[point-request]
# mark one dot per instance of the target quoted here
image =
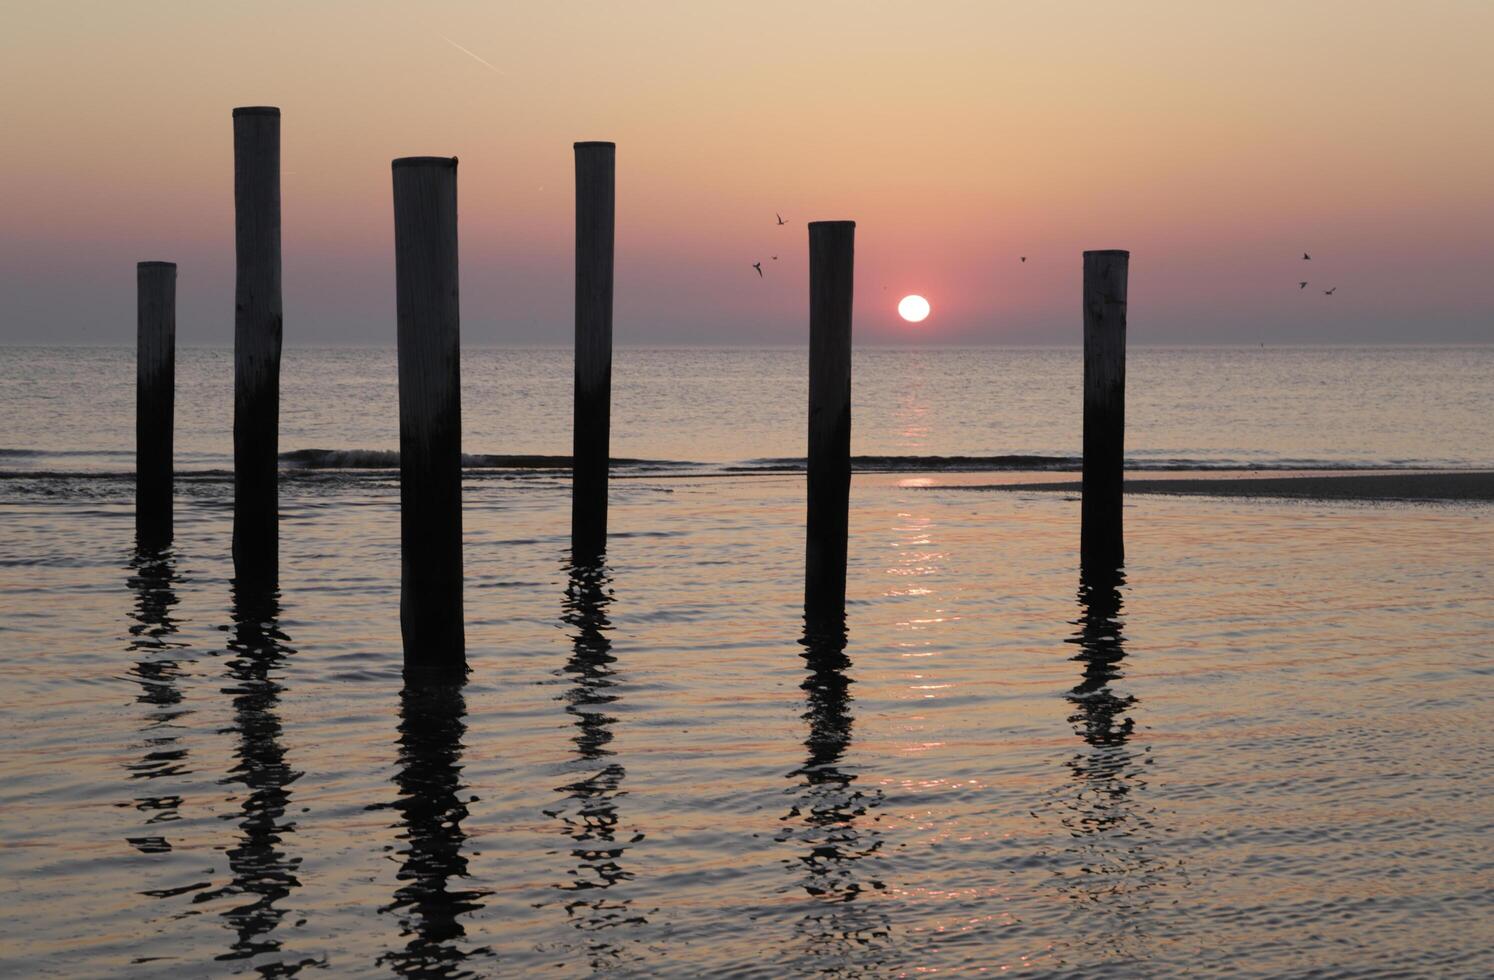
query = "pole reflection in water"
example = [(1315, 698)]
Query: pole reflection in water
[(432, 805), (1112, 868), (589, 812), (158, 671), (829, 810), (1102, 719), (263, 872)]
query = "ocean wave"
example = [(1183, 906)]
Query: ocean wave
[(308, 463), (1051, 463), (1010, 462), (892, 464), (31, 453), (388, 459)]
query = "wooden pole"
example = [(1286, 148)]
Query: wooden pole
[(256, 341), (155, 397), (1101, 537), (831, 271), (595, 207), (430, 414)]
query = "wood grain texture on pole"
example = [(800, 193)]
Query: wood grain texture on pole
[(1101, 535), (256, 341), (430, 414), (595, 210), (155, 400), (831, 275)]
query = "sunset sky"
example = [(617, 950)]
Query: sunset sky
[(1216, 141)]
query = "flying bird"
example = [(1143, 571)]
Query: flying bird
[(780, 218), (773, 257), (1306, 257), (759, 267), (1329, 292), (1024, 258), (1301, 285)]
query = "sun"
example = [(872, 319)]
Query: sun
[(913, 308)]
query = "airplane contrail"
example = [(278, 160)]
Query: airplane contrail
[(474, 56)]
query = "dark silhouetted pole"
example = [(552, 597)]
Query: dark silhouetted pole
[(832, 246), (430, 414), (155, 398), (595, 196), (1101, 537), (256, 341)]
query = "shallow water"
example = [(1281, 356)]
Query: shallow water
[(1261, 749), (1264, 753)]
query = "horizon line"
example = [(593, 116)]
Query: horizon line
[(1252, 345)]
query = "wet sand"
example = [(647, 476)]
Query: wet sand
[(1445, 486)]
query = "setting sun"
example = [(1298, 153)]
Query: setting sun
[(913, 308)]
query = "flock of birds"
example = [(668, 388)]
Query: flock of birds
[(758, 265), (1302, 284)]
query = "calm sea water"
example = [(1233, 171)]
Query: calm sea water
[(1194, 406), (1260, 749)]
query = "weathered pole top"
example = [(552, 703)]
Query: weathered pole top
[(425, 162)]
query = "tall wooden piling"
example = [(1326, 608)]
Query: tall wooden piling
[(155, 399), (256, 341), (1101, 536), (831, 273), (595, 205), (430, 415)]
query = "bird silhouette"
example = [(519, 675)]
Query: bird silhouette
[(773, 257), (780, 218), (1305, 257), (759, 267), (1329, 292), (1024, 258), (1301, 285)]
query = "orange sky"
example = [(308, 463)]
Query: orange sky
[(1214, 141)]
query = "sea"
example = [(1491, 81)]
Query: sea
[(1259, 748)]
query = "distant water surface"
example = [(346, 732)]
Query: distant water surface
[(1200, 406), (1260, 749)]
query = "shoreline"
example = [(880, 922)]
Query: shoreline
[(1410, 485), (1446, 486)]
